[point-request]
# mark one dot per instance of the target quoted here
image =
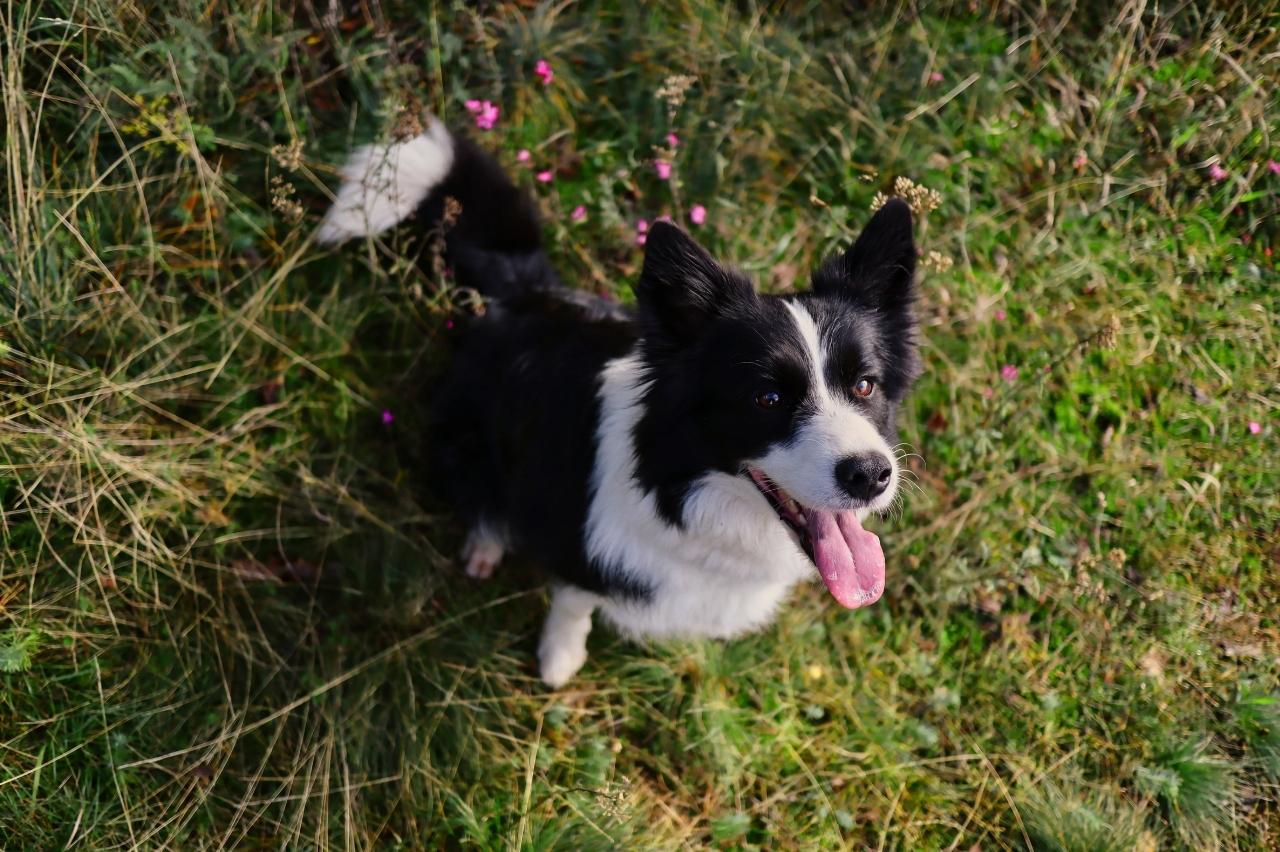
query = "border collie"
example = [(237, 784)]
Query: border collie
[(680, 466)]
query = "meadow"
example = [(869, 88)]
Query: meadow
[(230, 615)]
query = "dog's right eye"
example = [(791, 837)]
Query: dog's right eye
[(768, 399)]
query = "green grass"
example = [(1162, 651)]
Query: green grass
[(228, 616)]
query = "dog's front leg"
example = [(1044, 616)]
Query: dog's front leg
[(563, 649)]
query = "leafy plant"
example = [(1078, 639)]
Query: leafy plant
[(17, 648)]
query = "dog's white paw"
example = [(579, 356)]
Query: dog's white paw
[(560, 662), (483, 553)]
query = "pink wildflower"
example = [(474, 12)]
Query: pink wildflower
[(663, 168), (640, 239), (1217, 172), (579, 213), (642, 226), (673, 141), (472, 105), (697, 214), (1081, 160), (523, 155), (387, 417), (988, 392), (1255, 427), (544, 177), (1000, 315), (1009, 373), (486, 115), (544, 72), (1274, 167), (935, 77)]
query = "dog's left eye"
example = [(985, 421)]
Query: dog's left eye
[(864, 387), (768, 399)]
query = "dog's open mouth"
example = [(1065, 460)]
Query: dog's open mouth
[(848, 557)]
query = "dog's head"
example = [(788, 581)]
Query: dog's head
[(797, 393)]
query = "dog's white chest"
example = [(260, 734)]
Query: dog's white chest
[(723, 574), (686, 604)]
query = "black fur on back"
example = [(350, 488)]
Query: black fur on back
[(515, 432), (514, 424)]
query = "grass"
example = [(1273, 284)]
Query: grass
[(228, 616)]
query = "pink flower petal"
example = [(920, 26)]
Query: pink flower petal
[(544, 72), (640, 239), (1000, 315), (472, 105), (1217, 172), (663, 168), (673, 141), (1255, 427), (1009, 373), (1274, 167), (697, 214), (523, 155), (387, 417), (544, 177), (642, 225), (487, 115), (579, 213), (935, 77)]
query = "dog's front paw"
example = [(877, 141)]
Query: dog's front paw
[(560, 662), (482, 553)]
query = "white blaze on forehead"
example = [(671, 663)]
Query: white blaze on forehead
[(813, 346), (805, 464)]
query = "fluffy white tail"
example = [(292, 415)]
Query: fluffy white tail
[(383, 184)]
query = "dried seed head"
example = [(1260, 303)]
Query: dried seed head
[(919, 198), (408, 123), (673, 90), (436, 237), (283, 201), (937, 261), (288, 157), (452, 210), (1105, 337)]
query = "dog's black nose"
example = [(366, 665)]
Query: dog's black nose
[(864, 476)]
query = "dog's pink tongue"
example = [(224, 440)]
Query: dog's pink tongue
[(849, 558)]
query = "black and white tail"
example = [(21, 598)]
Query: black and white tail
[(494, 246)]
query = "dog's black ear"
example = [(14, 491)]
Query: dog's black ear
[(879, 270), (682, 289)]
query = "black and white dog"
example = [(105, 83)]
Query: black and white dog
[(679, 467)]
